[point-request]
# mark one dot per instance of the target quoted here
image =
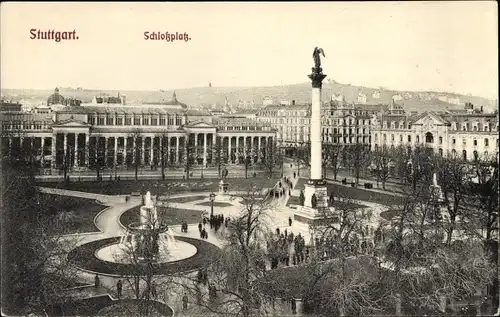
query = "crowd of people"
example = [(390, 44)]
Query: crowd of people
[(280, 250)]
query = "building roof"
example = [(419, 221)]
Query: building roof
[(171, 102), (123, 110)]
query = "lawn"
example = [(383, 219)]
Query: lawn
[(187, 199), (216, 204), (364, 195), (171, 216), (345, 205), (72, 214), (155, 187)]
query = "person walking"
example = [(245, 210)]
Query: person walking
[(153, 290), (184, 302), (289, 221), (294, 306), (119, 288), (97, 282)]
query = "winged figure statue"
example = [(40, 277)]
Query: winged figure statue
[(316, 56)]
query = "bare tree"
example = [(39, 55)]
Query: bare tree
[(141, 249), (342, 284), (138, 139), (357, 156), (335, 158), (247, 160), (383, 158), (236, 273), (422, 269), (272, 157), (35, 270), (163, 148), (218, 154)]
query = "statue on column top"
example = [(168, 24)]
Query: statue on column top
[(317, 58)]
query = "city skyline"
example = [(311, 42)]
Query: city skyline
[(404, 46)]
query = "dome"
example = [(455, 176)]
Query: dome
[(55, 98), (171, 102)]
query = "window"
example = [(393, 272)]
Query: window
[(453, 141), (401, 138), (128, 121), (145, 121), (440, 140), (178, 121), (137, 121), (170, 120), (162, 121), (154, 121), (464, 155), (376, 137), (486, 127), (392, 137), (385, 138), (474, 142), (100, 121), (409, 138), (119, 121), (476, 156), (109, 121), (418, 139), (464, 141)]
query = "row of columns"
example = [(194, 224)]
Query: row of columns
[(255, 142)]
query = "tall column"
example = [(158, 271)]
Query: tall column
[(143, 146), (115, 156), (258, 148), (87, 144), (229, 148), (42, 160), (196, 145), (315, 191), (168, 148), (125, 151), (65, 147), (53, 150), (177, 149), (237, 148), (316, 147), (205, 136), (75, 163), (105, 151)]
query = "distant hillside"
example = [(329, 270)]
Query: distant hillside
[(301, 93)]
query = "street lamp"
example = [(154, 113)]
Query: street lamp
[(212, 198)]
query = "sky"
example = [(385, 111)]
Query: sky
[(439, 46)]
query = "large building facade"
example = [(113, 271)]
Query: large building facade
[(468, 134), (111, 133)]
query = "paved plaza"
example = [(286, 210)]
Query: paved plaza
[(109, 226)]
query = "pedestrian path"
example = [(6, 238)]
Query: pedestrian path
[(105, 199)]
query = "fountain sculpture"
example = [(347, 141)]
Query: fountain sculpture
[(148, 238), (436, 192)]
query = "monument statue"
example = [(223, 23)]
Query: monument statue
[(316, 56), (314, 201)]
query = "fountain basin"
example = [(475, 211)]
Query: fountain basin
[(84, 257), (119, 253)]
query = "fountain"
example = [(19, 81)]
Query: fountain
[(436, 192), (223, 194), (149, 238)]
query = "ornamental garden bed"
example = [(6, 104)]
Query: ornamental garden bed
[(170, 216), (72, 214)]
